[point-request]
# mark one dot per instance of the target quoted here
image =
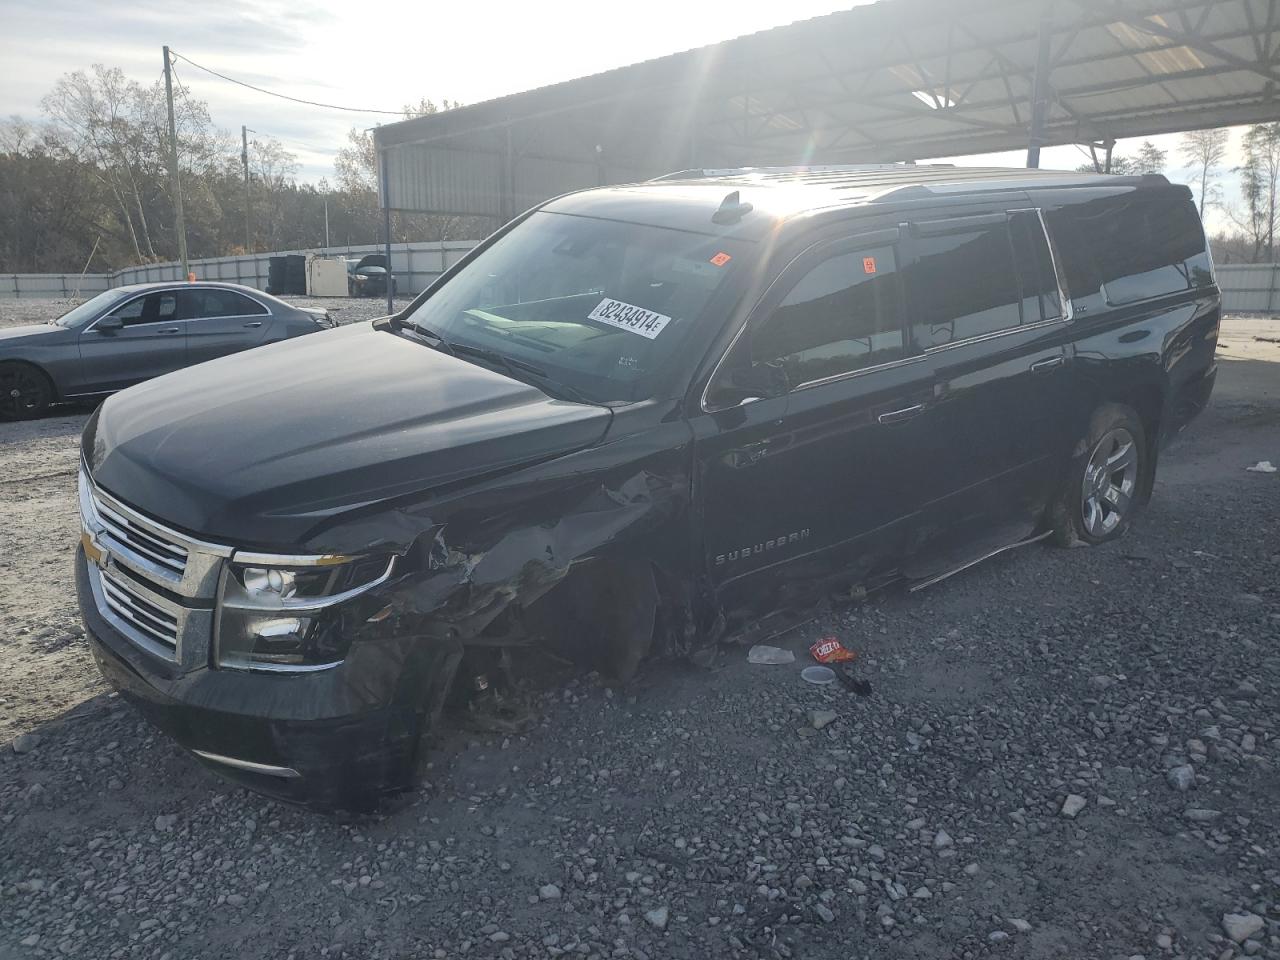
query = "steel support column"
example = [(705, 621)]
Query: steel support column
[(507, 194), (385, 190), (1040, 91)]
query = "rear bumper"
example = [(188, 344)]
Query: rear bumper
[(278, 735)]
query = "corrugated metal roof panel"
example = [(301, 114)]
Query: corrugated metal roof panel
[(898, 79)]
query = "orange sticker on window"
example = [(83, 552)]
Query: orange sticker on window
[(721, 258), (868, 264)]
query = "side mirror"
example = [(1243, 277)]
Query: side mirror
[(758, 382), (109, 324)]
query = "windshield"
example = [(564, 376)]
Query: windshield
[(599, 306), (77, 316)]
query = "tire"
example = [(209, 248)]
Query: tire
[(25, 391), (1100, 498)]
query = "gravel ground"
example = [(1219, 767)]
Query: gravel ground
[(1067, 753)]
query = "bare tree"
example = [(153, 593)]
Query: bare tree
[(1259, 177), (92, 113), (92, 174), (1204, 151), (273, 170), (16, 135), (120, 127), (1150, 159)]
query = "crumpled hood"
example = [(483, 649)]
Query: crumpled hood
[(260, 447)]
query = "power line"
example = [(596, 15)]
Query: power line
[(296, 144), (285, 96), (181, 86)]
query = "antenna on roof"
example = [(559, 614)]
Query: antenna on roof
[(732, 209)]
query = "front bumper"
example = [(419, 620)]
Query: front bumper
[(340, 738)]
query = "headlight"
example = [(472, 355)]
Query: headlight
[(89, 520), (269, 582), (282, 613), (362, 276)]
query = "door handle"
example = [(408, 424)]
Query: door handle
[(255, 323), (170, 330), (1048, 363), (906, 413)]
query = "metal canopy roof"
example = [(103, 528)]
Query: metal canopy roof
[(896, 80)]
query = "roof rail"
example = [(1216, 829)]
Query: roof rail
[(700, 173)]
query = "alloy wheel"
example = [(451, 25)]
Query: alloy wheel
[(22, 391), (1109, 482)]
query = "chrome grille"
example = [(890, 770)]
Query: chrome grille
[(156, 585), (150, 544), (145, 617)]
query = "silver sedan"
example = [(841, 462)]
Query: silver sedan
[(130, 334)]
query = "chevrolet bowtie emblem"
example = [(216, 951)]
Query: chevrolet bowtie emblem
[(101, 556)]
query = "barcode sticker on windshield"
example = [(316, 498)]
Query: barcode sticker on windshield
[(627, 316)]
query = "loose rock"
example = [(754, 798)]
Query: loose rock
[(26, 742), (658, 917), (1201, 814), (1241, 926), (1182, 778), (821, 718)]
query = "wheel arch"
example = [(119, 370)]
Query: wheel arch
[(1147, 400), (38, 367), (603, 613)]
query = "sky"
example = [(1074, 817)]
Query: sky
[(337, 51)]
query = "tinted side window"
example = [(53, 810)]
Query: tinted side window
[(1040, 297), (166, 306), (132, 312), (153, 308), (1132, 248), (963, 284), (218, 303), (841, 316)]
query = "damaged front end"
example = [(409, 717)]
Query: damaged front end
[(348, 517), (316, 677)]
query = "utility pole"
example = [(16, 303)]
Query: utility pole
[(326, 220), (175, 183), (244, 162)]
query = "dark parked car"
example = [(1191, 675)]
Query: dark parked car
[(130, 334), (634, 420), (367, 276)]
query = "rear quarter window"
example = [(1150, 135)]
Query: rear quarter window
[(1132, 248)]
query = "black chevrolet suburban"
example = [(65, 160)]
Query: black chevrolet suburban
[(632, 421)]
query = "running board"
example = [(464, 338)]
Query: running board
[(938, 578), (266, 769)]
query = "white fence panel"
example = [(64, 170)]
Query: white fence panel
[(1250, 287), (415, 266), (53, 285)]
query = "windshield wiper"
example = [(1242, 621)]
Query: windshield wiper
[(514, 367), (510, 364), (428, 333)]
